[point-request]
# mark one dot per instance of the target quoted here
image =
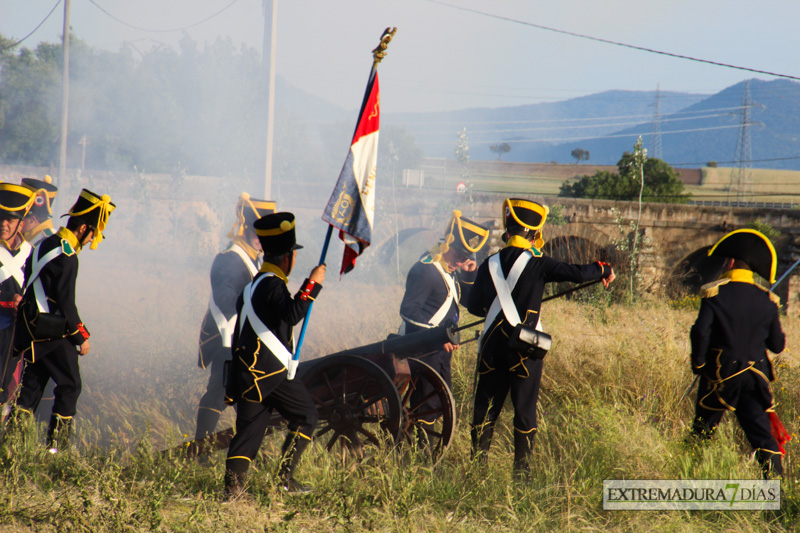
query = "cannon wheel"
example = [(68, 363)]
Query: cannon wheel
[(358, 403), (437, 435)]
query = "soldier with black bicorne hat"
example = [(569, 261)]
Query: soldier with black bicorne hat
[(737, 323), (261, 374), (434, 287), (15, 201), (48, 328), (231, 270), (508, 292), (38, 223)]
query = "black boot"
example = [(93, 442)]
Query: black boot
[(523, 445), (235, 477), (291, 451), (58, 433), (206, 423), (481, 442), (771, 464)]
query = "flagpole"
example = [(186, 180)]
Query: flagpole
[(296, 355), (377, 54)]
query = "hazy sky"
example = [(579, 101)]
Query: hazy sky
[(447, 58)]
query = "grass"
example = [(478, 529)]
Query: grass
[(610, 408)]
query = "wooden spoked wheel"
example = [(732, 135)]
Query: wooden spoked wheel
[(429, 419), (358, 403)]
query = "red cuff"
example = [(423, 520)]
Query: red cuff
[(309, 290), (7, 305), (83, 331), (603, 266)]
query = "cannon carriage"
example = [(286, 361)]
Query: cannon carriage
[(365, 397)]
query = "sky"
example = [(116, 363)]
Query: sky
[(446, 56)]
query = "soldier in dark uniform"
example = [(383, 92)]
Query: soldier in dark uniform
[(436, 284), (737, 323), (48, 328), (521, 271), (15, 201), (261, 372), (231, 270), (38, 223), (36, 226)]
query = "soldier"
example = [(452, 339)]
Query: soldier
[(38, 224), (737, 323), (231, 270), (508, 292), (434, 287), (49, 328), (15, 201), (259, 378)]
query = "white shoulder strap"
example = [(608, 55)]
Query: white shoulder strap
[(503, 287), (225, 325), (261, 330), (251, 266), (38, 289), (14, 265)]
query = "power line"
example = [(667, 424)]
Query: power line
[(580, 139), (580, 119), (9, 47), (95, 4), (579, 126), (615, 43), (737, 162)]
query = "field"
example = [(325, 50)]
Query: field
[(611, 408)]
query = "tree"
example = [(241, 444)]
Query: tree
[(500, 149), (661, 183), (579, 154)]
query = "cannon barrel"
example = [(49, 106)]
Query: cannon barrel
[(413, 344)]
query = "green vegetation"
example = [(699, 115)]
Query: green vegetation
[(610, 409), (661, 183)]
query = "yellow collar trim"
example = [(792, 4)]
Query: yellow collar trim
[(251, 252), (275, 269), (70, 237), (515, 241), (739, 274), (47, 224)]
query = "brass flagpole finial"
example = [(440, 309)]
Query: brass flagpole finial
[(380, 51)]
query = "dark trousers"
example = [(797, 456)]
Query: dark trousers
[(56, 360), (291, 399), (12, 366), (749, 394), (440, 362), (520, 379), (212, 404)]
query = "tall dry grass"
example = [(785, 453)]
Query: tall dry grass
[(610, 408)]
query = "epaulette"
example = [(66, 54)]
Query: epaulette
[(709, 290), (774, 298), (67, 248), (428, 259)]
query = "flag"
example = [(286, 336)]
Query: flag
[(351, 206)]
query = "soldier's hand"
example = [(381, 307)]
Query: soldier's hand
[(449, 347), (15, 302), (469, 266), (318, 274), (84, 348), (607, 281)]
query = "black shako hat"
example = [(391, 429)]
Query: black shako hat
[(93, 210), (276, 233), (524, 213), (45, 192), (15, 201), (752, 247), (466, 236)]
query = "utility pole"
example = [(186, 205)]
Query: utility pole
[(268, 59), (83, 142), (657, 124), (741, 175), (62, 156)]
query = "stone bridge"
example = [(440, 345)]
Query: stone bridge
[(676, 238)]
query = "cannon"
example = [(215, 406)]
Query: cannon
[(365, 397)]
